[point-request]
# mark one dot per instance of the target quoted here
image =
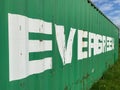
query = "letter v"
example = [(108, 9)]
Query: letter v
[(65, 52)]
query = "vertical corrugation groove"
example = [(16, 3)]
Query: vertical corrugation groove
[(77, 14)]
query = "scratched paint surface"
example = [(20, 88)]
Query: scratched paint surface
[(77, 14)]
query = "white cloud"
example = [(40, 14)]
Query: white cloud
[(115, 17), (117, 2), (114, 13), (99, 1), (111, 8), (115, 20), (106, 7)]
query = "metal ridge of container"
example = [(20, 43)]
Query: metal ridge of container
[(92, 4)]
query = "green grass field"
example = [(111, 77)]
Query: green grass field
[(111, 78)]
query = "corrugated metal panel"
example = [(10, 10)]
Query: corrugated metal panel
[(31, 56)]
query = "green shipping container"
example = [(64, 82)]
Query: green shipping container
[(54, 44)]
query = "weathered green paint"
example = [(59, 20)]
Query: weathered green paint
[(78, 14)]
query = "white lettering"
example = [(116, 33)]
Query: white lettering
[(98, 41), (92, 43), (104, 44), (65, 51), (19, 47), (82, 44)]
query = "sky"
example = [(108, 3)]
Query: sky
[(111, 8)]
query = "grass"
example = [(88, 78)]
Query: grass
[(111, 78)]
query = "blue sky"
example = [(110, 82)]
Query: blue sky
[(111, 8)]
